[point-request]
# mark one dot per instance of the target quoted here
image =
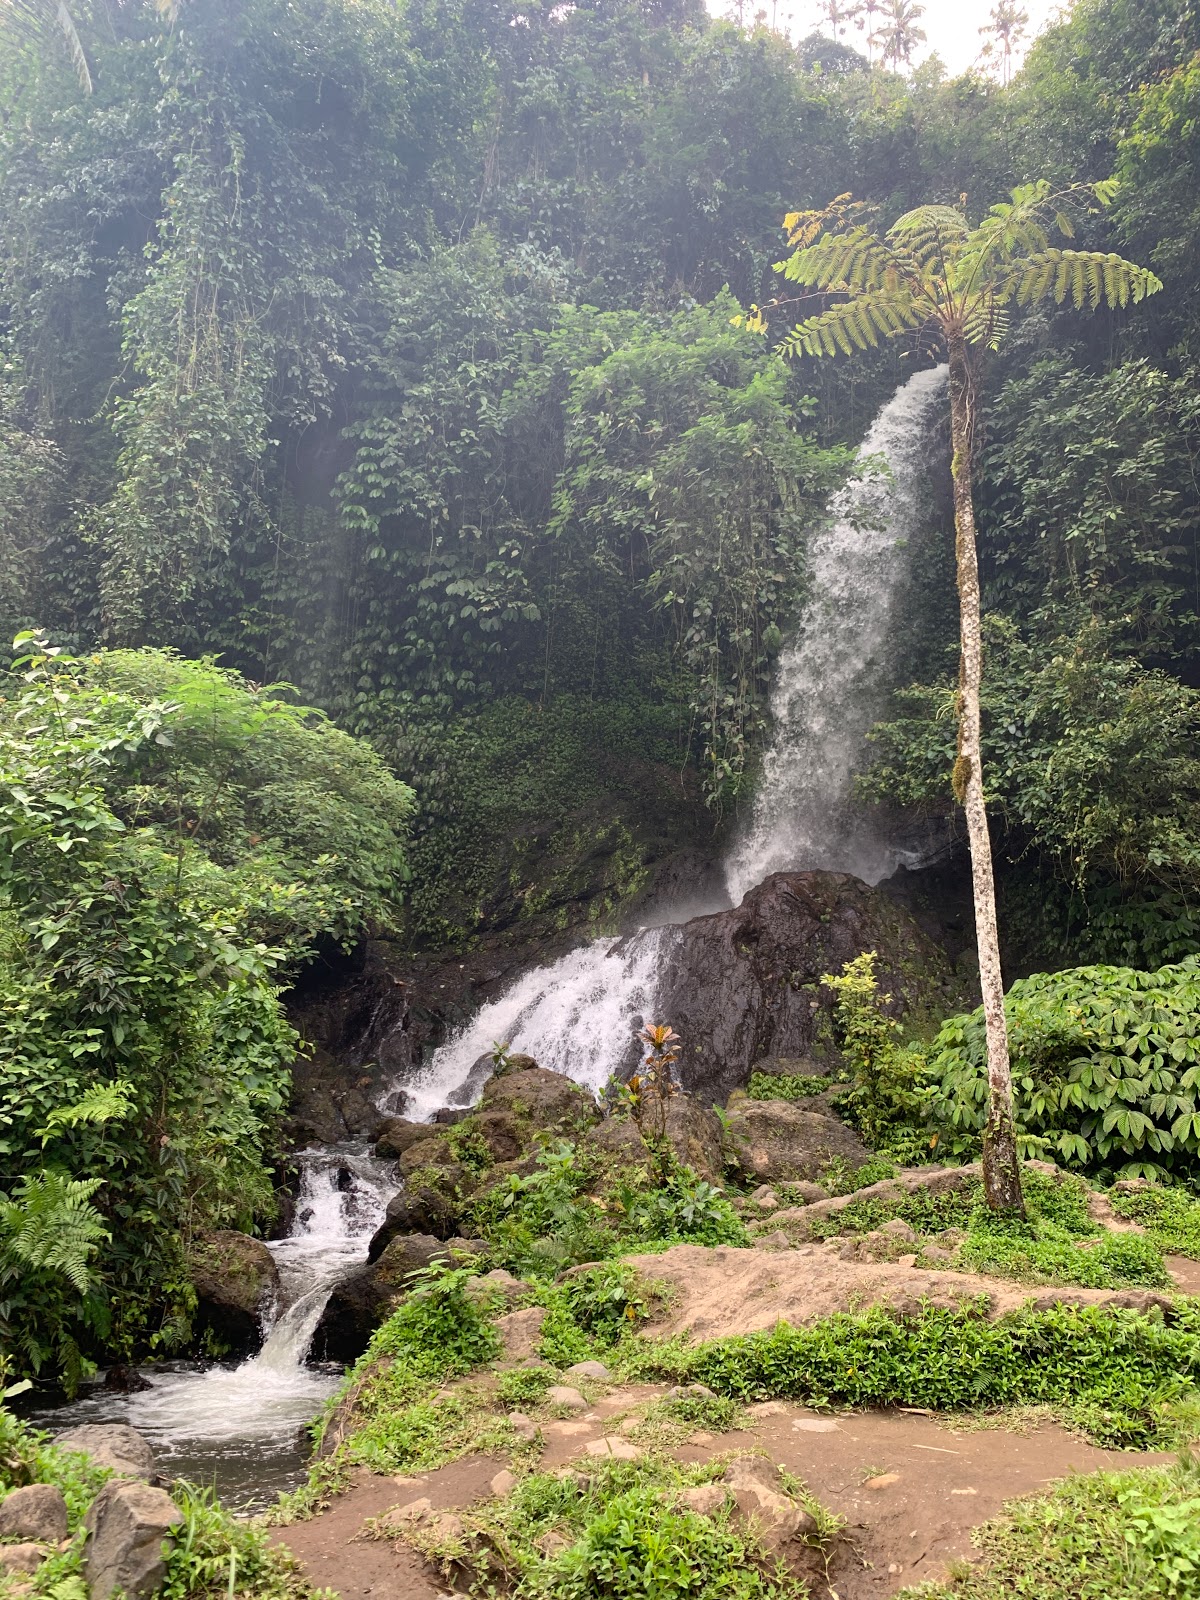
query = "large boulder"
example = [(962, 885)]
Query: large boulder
[(695, 1134), (367, 1294), (541, 1100), (777, 1141), (129, 1527), (38, 1511), (114, 1445), (745, 983), (236, 1283)]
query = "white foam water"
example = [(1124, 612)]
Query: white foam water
[(579, 1015), (830, 680), (242, 1425)]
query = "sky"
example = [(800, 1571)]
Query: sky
[(952, 25)]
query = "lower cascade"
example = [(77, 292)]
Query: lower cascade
[(245, 1424)]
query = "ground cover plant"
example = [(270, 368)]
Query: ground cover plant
[(616, 1531), (1100, 1536)]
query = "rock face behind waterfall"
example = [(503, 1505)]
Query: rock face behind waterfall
[(743, 984)]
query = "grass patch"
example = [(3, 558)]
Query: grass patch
[(615, 1532), (1107, 1536), (1117, 1375), (1170, 1216)]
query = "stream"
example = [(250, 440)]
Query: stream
[(242, 1427)]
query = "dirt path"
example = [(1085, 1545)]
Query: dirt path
[(911, 1489)]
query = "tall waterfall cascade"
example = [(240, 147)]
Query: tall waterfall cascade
[(829, 683), (580, 1012)]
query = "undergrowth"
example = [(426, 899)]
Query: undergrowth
[(1117, 1375), (1170, 1216), (1105, 1536), (786, 1086), (617, 1532)]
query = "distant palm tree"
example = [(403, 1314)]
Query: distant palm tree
[(900, 34), (1007, 24), (864, 20), (40, 19), (837, 15)]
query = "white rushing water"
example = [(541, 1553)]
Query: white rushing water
[(242, 1424), (829, 683), (578, 1015)]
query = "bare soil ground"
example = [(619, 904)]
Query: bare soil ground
[(715, 1292), (910, 1487)]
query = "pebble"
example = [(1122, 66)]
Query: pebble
[(503, 1484), (815, 1425), (767, 1408), (524, 1427), (589, 1369), (906, 1261), (884, 1481)]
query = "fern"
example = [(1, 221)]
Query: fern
[(103, 1102), (51, 1226)]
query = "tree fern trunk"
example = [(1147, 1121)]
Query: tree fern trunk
[(1001, 1170)]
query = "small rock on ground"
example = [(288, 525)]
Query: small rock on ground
[(524, 1427), (129, 1527), (589, 1369), (561, 1394), (617, 1449), (24, 1557), (111, 1444)]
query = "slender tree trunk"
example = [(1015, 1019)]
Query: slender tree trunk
[(1001, 1170)]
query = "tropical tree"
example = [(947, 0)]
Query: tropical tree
[(864, 21), (837, 15), (952, 286), (900, 34)]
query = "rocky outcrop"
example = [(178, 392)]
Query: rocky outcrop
[(743, 984), (236, 1282), (114, 1445), (777, 1141), (129, 1529), (539, 1099), (367, 1294)]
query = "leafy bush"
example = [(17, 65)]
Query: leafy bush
[(785, 1086), (1106, 1067), (1042, 1252), (619, 1535), (1100, 1536), (152, 814), (1171, 1217), (1114, 1371), (885, 1095)]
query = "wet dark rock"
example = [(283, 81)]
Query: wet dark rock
[(396, 1135), (428, 1206), (743, 984), (368, 1294), (236, 1280)]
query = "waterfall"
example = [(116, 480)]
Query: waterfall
[(244, 1423), (578, 1015), (829, 683)]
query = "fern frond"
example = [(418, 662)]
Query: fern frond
[(103, 1102), (50, 1224), (850, 261), (930, 233), (853, 325), (803, 227), (1089, 276)]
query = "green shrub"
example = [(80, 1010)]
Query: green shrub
[(1115, 1371), (1170, 1216), (786, 1086), (1043, 1252), (1104, 1536), (1106, 1068), (525, 1386)]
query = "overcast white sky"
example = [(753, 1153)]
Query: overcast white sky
[(952, 25)]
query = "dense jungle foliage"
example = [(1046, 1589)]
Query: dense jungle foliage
[(390, 351), (387, 350)]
